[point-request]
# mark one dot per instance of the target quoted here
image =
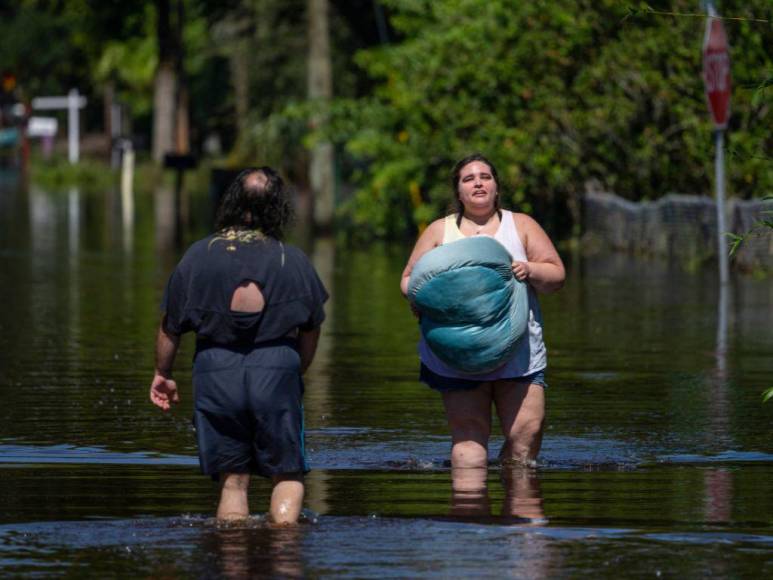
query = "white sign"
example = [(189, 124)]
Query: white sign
[(72, 102), (42, 126), (58, 103)]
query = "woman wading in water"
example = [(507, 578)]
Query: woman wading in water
[(517, 387)]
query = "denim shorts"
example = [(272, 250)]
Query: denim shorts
[(445, 384)]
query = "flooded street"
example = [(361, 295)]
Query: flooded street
[(657, 458)]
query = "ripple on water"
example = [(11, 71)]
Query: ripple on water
[(364, 546), (353, 448), (10, 453), (719, 458)]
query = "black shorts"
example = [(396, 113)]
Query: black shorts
[(248, 410)]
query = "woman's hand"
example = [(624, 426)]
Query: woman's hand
[(521, 270), (544, 269)]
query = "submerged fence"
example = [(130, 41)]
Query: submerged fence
[(678, 227)]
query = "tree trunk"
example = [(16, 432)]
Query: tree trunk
[(170, 98), (182, 127), (240, 78), (164, 111), (108, 97), (164, 85), (320, 87)]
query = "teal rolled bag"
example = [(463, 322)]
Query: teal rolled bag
[(473, 310)]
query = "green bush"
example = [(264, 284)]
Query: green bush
[(556, 94)]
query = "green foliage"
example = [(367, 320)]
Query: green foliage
[(54, 46), (767, 395), (88, 44), (131, 64), (762, 226), (58, 174), (93, 175), (276, 48), (556, 94), (41, 66)]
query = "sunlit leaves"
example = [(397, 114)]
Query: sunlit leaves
[(556, 93)]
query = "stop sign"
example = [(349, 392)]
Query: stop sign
[(716, 72)]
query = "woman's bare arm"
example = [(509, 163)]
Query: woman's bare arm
[(543, 269), (430, 238)]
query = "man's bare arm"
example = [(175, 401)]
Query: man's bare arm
[(163, 388), (166, 351), (307, 347)]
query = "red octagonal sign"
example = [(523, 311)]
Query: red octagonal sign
[(716, 72)]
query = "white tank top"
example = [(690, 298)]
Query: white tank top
[(530, 355)]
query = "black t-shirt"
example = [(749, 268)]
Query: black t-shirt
[(198, 295)]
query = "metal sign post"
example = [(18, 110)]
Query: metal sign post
[(716, 76)]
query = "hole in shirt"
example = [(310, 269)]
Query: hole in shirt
[(247, 298)]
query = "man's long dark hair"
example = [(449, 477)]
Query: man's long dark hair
[(267, 208)]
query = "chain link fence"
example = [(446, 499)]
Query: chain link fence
[(678, 227)]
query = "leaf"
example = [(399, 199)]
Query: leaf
[(767, 395), (735, 242)]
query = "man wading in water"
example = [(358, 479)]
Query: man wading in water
[(256, 306)]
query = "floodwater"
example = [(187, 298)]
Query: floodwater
[(657, 459)]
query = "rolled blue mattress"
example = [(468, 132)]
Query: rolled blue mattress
[(473, 309)]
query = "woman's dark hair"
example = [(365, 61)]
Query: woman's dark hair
[(458, 207), (266, 208)]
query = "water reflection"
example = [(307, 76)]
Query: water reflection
[(718, 495), (44, 223), (254, 552), (469, 493), (522, 503), (722, 327), (127, 214), (523, 497), (73, 222), (317, 403), (167, 224), (719, 407), (532, 556)]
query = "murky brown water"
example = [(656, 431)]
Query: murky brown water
[(657, 459)]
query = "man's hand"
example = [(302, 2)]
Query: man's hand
[(163, 389), (163, 392), (521, 270)]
